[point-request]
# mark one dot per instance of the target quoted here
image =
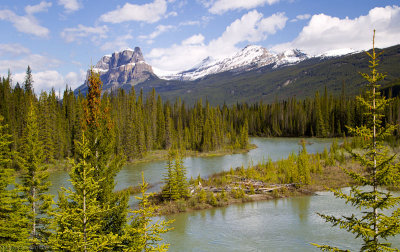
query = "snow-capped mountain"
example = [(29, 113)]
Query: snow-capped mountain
[(249, 58)]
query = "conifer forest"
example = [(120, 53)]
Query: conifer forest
[(199, 137)]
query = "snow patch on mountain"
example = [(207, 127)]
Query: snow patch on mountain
[(249, 58)]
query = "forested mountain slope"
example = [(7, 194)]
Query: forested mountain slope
[(268, 84)]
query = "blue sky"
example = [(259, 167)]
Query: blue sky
[(60, 39)]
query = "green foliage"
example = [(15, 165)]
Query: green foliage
[(144, 234), (79, 217), (100, 133), (13, 220), (202, 196), (211, 199), (34, 184), (373, 226), (176, 185)]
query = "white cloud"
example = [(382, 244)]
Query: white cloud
[(120, 43), (150, 13), (70, 5), (26, 24), (36, 61), (171, 14), (42, 6), (13, 50), (46, 80), (325, 33), (74, 80), (76, 34), (222, 6), (188, 23), (158, 31), (251, 27), (301, 17), (194, 40)]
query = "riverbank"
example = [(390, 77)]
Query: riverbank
[(157, 155), (224, 189)]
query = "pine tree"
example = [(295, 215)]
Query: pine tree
[(143, 233), (373, 226), (79, 219), (13, 220), (34, 184)]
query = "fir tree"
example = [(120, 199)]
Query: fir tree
[(28, 83), (373, 226), (34, 184), (13, 220), (79, 219), (144, 234)]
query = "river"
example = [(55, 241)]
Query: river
[(276, 225)]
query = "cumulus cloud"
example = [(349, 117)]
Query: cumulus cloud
[(251, 27), (46, 80), (13, 50), (36, 61), (77, 33), (194, 40), (120, 43), (28, 23), (222, 6), (150, 13), (70, 5), (325, 33)]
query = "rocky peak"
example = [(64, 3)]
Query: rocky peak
[(127, 67)]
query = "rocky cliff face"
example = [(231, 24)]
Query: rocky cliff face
[(123, 68)]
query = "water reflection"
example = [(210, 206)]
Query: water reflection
[(301, 206)]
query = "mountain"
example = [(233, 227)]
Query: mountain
[(249, 58), (292, 78), (253, 74), (122, 70)]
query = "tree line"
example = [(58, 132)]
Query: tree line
[(144, 122)]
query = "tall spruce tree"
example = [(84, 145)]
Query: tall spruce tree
[(34, 182), (13, 220), (373, 226), (79, 219), (101, 140)]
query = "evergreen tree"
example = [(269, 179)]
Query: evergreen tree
[(170, 190), (28, 83), (79, 219), (13, 220), (373, 226), (180, 170), (34, 184), (101, 141), (176, 186), (143, 233)]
